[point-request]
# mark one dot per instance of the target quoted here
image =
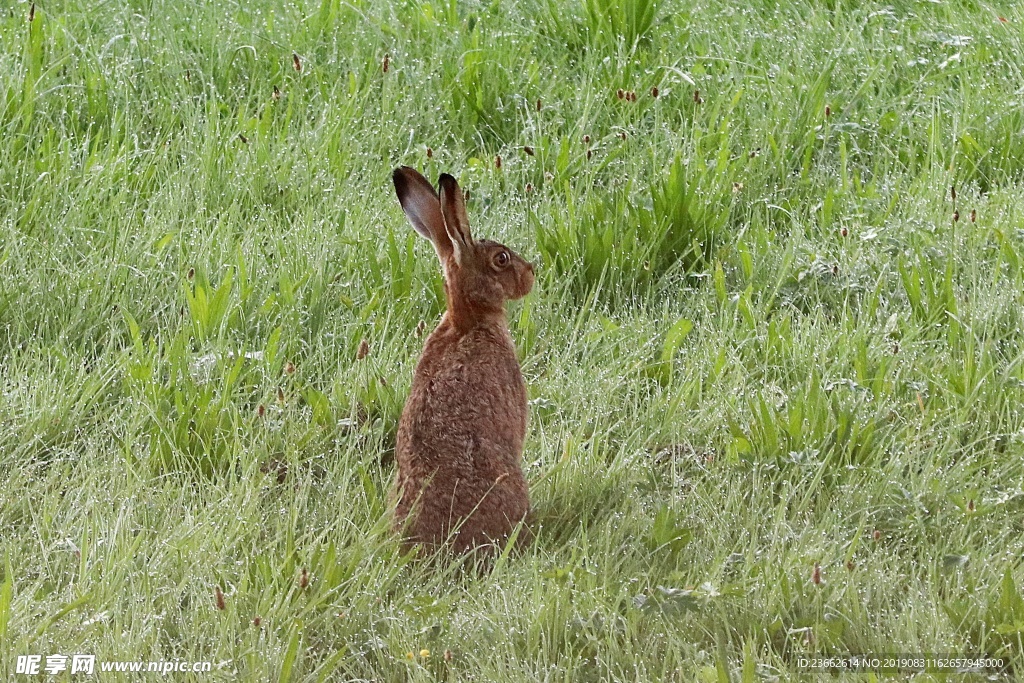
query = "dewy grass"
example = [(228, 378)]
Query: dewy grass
[(774, 364)]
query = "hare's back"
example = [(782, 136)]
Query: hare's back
[(467, 389), (481, 379)]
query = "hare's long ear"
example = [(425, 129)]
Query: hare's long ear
[(423, 209), (456, 222)]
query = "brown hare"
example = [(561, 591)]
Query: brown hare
[(459, 480)]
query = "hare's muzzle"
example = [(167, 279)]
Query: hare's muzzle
[(526, 278)]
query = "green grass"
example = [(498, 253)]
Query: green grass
[(759, 340)]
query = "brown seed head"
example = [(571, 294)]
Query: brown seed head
[(586, 139), (655, 92), (430, 153), (497, 161), (622, 135), (620, 93), (364, 349), (632, 96), (261, 410), (850, 566), (974, 215), (589, 154), (280, 395), (420, 327), (828, 111), (956, 216), (191, 274), (528, 150), (952, 192), (218, 597), (32, 13), (844, 232), (275, 467), (538, 104), (816, 574), (529, 187), (447, 655), (289, 368), (876, 535), (697, 98), (188, 75), (304, 579), (387, 63), (296, 62), (970, 505), (244, 139), (276, 94), (257, 621)]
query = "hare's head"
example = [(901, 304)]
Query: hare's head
[(480, 275)]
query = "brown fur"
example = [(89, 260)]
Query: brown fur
[(459, 480)]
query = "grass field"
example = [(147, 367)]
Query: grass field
[(775, 362)]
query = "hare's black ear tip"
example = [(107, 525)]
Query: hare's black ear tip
[(448, 181), (399, 177)]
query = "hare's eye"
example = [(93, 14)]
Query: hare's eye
[(502, 259)]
